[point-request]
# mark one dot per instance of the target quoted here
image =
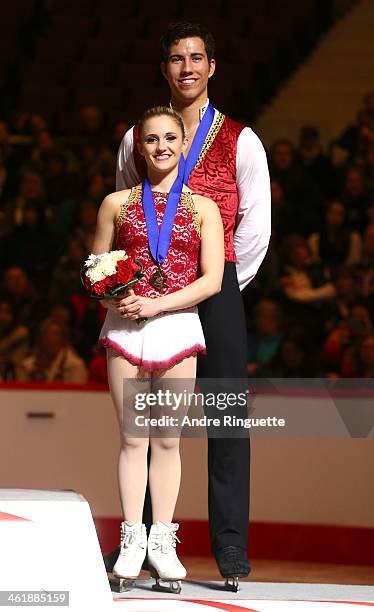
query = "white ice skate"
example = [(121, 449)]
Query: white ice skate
[(163, 562), (132, 554)]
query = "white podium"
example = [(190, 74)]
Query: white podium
[(48, 544)]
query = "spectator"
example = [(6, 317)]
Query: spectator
[(347, 291), (335, 244), (30, 244), (281, 216), (14, 340), (22, 296), (85, 228), (38, 123), (302, 281), (63, 313), (66, 276), (264, 341), (314, 162), (296, 358), (96, 189), (53, 359), (31, 189), (98, 159), (347, 333), (56, 164), (300, 191), (306, 288), (359, 361), (355, 198), (357, 137), (92, 127)]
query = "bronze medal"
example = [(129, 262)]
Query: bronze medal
[(158, 280)]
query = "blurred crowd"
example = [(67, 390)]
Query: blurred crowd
[(309, 310)]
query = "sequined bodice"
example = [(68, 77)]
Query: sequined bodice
[(181, 262)]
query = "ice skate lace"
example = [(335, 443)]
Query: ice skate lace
[(130, 536), (165, 541)]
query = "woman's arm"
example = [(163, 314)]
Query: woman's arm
[(211, 266), (106, 218), (105, 230)]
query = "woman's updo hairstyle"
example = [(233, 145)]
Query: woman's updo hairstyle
[(159, 111)]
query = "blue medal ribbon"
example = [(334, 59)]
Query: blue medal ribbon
[(159, 238), (187, 165)]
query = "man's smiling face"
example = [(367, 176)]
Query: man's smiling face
[(188, 69)]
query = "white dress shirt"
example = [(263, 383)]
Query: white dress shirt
[(253, 221)]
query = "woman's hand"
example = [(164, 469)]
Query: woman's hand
[(114, 303), (136, 307), (111, 303)]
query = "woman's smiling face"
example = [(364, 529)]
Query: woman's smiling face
[(161, 143)]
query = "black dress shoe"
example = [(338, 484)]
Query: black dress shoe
[(111, 558), (233, 562)]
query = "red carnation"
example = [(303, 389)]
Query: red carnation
[(111, 282), (99, 288), (125, 272)]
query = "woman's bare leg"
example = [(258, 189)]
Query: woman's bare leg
[(165, 465), (132, 462)]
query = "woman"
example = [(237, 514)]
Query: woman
[(53, 359), (336, 244), (164, 347)]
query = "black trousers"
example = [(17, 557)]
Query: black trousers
[(223, 321)]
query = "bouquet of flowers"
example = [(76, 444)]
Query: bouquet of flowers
[(109, 274)]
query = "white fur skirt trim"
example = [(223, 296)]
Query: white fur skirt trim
[(159, 343)]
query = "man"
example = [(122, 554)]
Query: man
[(232, 170)]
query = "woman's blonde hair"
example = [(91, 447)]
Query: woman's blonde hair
[(159, 111)]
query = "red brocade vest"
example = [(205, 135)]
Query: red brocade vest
[(182, 260), (214, 175)]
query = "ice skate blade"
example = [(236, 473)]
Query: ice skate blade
[(171, 586), (232, 584), (121, 585)]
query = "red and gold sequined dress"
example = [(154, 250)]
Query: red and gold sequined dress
[(168, 338)]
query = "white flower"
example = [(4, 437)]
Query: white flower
[(91, 260), (100, 266)]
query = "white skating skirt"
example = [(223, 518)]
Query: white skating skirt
[(159, 343)]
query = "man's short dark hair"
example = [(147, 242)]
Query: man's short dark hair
[(186, 29)]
